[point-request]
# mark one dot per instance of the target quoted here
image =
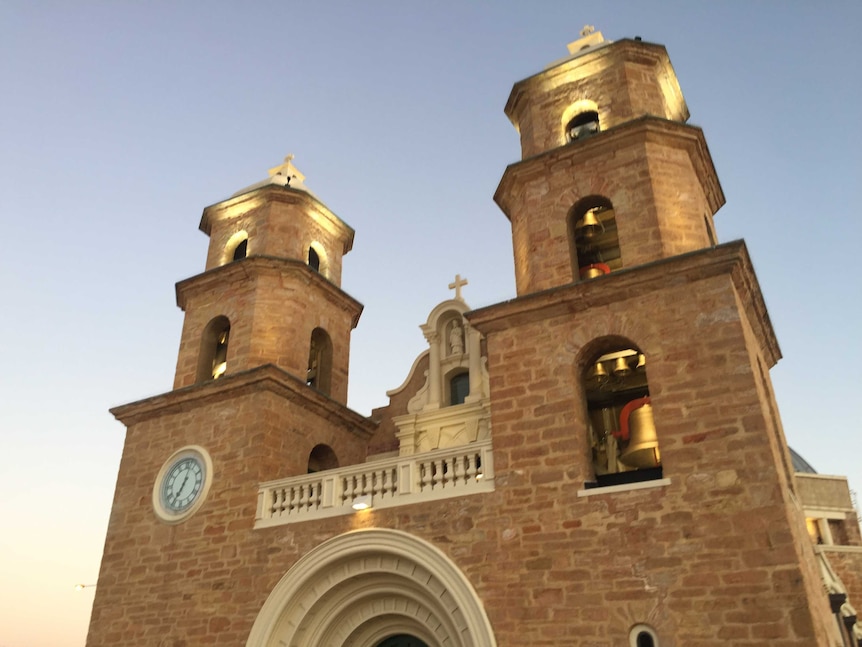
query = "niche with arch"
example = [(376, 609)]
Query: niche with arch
[(593, 240), (622, 434), (582, 125), (236, 248), (317, 260), (212, 360), (643, 636), (319, 374), (322, 458)]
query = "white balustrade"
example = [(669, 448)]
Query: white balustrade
[(390, 482)]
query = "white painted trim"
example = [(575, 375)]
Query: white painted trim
[(824, 477), (826, 513), (391, 482), (642, 628), (366, 583), (612, 489), (837, 548)]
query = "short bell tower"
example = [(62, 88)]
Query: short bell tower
[(271, 291), (260, 392)]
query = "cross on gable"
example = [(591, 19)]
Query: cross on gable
[(456, 285)]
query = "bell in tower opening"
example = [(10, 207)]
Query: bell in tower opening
[(623, 439)]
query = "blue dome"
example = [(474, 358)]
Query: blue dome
[(800, 465)]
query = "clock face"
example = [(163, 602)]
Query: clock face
[(183, 483)]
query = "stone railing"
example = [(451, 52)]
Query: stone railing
[(386, 483)]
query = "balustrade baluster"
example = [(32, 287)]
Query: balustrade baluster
[(459, 470), (471, 467)]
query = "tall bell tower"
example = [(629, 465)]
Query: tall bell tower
[(629, 379)]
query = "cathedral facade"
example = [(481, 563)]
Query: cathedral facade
[(597, 462)]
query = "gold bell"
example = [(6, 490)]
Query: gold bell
[(642, 450), (589, 225), (593, 270), (599, 375), (641, 365), (621, 367)]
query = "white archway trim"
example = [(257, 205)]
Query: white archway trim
[(363, 586)]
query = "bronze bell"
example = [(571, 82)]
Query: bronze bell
[(621, 367), (589, 225), (642, 450), (599, 375), (592, 271)]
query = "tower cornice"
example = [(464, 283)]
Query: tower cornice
[(262, 378), (647, 129), (727, 259), (244, 202), (253, 266), (593, 61)]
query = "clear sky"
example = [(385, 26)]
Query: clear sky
[(120, 121)]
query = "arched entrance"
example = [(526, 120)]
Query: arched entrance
[(402, 640), (373, 588)]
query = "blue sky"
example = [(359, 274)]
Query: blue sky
[(120, 121)]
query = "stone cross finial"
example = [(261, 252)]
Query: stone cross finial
[(288, 170), (587, 30), (457, 285)]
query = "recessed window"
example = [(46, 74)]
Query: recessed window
[(583, 125), (623, 439), (313, 259), (212, 362), (322, 458), (593, 240), (643, 636), (236, 247), (645, 640), (241, 250), (319, 373), (459, 388)]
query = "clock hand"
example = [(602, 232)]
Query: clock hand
[(185, 480)]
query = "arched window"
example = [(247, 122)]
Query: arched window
[(593, 241), (319, 373), (212, 361), (241, 250), (459, 387), (236, 248), (643, 636), (623, 437), (322, 458), (582, 125), (313, 259)]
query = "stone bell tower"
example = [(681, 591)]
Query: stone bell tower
[(260, 392), (629, 379)]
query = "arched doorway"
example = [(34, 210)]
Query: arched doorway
[(373, 588), (402, 640)]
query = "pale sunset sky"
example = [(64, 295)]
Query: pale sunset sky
[(121, 121)]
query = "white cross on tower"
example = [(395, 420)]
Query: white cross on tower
[(457, 285)]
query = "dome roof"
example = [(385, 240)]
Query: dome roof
[(800, 465)]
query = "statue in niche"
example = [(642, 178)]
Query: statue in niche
[(456, 339)]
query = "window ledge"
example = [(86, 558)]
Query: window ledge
[(611, 489)]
